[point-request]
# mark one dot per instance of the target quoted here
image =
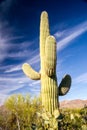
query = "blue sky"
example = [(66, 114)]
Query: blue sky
[(19, 43)]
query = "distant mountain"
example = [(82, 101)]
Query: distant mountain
[(73, 103)]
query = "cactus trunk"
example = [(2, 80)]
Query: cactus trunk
[(49, 93)]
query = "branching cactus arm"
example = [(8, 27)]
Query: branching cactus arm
[(64, 85), (50, 56), (32, 74)]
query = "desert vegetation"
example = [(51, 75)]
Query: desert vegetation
[(73, 119), (19, 113), (23, 113)]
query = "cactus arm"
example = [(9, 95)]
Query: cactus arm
[(50, 56), (64, 85), (30, 72)]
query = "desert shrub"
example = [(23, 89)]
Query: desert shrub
[(73, 119), (4, 114), (23, 111)]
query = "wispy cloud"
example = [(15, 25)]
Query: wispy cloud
[(11, 83), (81, 78), (35, 83), (5, 33), (4, 47), (59, 34), (18, 50), (13, 68), (22, 52), (35, 59), (71, 34)]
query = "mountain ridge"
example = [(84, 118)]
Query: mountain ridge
[(76, 103)]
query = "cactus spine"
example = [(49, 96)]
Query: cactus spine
[(49, 88)]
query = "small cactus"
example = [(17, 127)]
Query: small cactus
[(49, 87)]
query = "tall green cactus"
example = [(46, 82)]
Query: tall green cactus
[(49, 87)]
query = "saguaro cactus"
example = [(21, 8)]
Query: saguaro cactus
[(49, 87)]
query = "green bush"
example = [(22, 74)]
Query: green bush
[(23, 111), (73, 119)]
